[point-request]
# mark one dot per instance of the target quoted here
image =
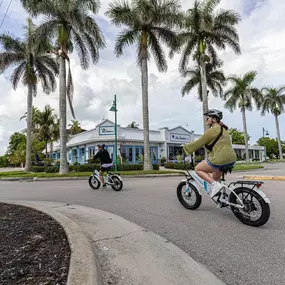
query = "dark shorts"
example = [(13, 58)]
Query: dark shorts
[(105, 167), (222, 166)]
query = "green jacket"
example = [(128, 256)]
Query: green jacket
[(222, 152)]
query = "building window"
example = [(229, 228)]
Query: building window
[(173, 151), (91, 152)]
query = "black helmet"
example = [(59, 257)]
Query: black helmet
[(215, 113), (101, 145)]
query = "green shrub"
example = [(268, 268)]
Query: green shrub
[(180, 166), (155, 166), (52, 169), (37, 169)]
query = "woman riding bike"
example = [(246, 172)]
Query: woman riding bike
[(221, 153)]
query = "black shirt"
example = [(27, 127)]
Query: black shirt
[(103, 156)]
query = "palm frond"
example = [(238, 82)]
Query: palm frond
[(157, 50), (12, 44), (8, 59), (190, 46), (81, 49), (49, 62), (189, 85), (125, 39), (70, 90), (120, 13), (17, 74), (249, 77)]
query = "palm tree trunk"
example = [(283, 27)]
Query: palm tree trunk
[(204, 97), (204, 91), (29, 129), (278, 137), (147, 165), (245, 133), (62, 115)]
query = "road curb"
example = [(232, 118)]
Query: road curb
[(34, 179), (83, 267), (264, 177)]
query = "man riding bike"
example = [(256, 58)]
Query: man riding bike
[(105, 160), (221, 155)]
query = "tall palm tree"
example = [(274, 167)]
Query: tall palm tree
[(242, 94), (215, 80), (273, 101), (70, 24), (148, 23), (204, 31), (74, 127), (32, 65)]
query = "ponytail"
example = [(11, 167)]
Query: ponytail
[(223, 125)]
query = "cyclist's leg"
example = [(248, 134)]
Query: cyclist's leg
[(217, 174), (101, 173), (203, 169)]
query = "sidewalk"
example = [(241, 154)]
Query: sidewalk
[(124, 253)]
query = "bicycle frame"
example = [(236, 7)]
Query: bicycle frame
[(200, 183), (108, 179)]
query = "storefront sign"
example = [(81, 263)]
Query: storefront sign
[(106, 131), (179, 138)]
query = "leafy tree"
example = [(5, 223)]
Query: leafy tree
[(148, 25), (32, 65), (133, 125), (16, 140), (237, 136), (71, 24), (215, 80), (74, 127), (241, 95), (271, 146), (206, 30), (4, 161), (273, 102)]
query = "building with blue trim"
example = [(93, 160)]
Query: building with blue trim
[(164, 143)]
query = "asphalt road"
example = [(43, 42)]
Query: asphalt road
[(236, 253)]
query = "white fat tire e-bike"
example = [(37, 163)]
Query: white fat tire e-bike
[(237, 196)]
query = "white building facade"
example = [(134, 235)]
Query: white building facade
[(164, 143)]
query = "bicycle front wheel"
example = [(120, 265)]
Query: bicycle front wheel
[(190, 199)]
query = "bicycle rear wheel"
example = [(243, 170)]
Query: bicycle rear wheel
[(256, 212)]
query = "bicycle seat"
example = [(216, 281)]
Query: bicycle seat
[(226, 169)]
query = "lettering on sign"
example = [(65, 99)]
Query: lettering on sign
[(179, 138), (109, 130)]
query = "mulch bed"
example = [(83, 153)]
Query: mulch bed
[(33, 248)]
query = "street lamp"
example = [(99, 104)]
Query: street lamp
[(114, 109), (266, 132)]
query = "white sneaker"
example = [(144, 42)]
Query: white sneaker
[(216, 188)]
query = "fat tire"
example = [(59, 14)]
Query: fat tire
[(121, 184), (265, 208), (182, 201), (91, 184)]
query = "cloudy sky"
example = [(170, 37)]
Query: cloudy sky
[(262, 38)]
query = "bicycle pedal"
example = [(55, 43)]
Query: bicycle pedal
[(220, 205)]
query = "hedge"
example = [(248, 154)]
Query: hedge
[(90, 168), (178, 165)]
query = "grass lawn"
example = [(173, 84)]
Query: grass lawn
[(238, 167), (81, 174)]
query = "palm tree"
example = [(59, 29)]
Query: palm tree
[(205, 30), (32, 65), (242, 94), (215, 80), (35, 115), (273, 101), (71, 24), (133, 125), (46, 126), (148, 25), (74, 127)]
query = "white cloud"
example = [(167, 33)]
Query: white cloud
[(262, 37)]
